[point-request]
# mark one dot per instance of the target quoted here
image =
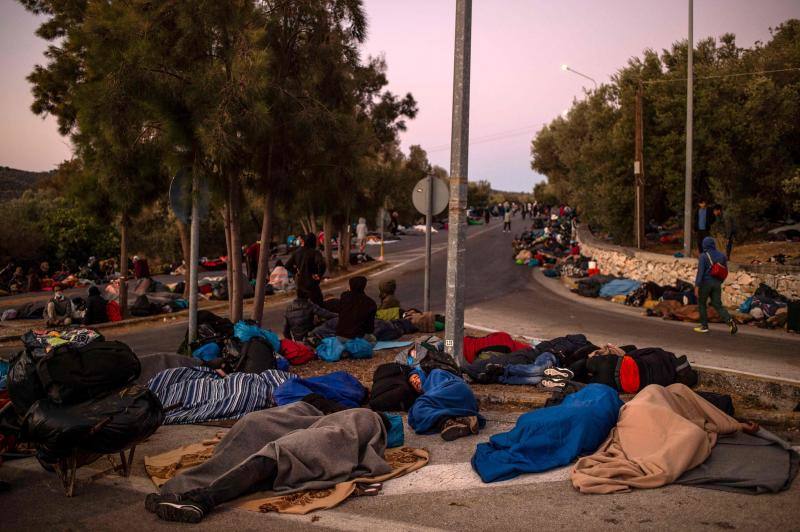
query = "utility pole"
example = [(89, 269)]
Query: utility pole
[(194, 255), (687, 198), (459, 146), (426, 296), (638, 170)]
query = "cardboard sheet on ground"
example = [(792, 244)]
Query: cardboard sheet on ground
[(162, 467)]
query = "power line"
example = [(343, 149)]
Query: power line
[(500, 135)]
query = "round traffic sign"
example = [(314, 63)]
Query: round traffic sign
[(441, 195)]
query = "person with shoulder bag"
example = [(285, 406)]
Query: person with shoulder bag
[(712, 270)]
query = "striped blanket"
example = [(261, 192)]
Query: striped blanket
[(197, 394)]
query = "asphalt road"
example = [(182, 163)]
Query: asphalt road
[(446, 494)]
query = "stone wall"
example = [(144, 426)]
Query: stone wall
[(665, 270)]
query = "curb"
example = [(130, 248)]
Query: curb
[(275, 299)]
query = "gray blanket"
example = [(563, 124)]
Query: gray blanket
[(759, 463), (312, 451)]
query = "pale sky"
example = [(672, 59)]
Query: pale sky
[(517, 84)]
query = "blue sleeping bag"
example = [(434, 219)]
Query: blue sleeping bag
[(550, 437), (619, 287), (245, 331), (444, 395), (338, 386)]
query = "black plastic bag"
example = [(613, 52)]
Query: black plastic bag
[(103, 425), (24, 386), (72, 375)]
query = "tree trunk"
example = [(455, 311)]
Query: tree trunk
[(344, 244), (226, 224), (235, 258), (312, 221), (183, 231), (263, 258), (304, 227), (123, 266), (327, 229)]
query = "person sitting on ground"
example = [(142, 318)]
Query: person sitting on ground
[(18, 282), (59, 309), (309, 444), (279, 278), (445, 405), (302, 315), (96, 307), (356, 311), (308, 266), (707, 286), (389, 309)]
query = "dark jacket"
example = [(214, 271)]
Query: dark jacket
[(710, 219), (95, 307), (301, 316), (704, 265), (356, 311), (305, 263)]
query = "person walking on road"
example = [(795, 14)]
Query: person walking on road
[(361, 235), (308, 266), (507, 222), (728, 227), (487, 215), (712, 268)]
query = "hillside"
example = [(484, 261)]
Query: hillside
[(14, 182)]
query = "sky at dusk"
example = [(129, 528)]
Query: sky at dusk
[(517, 83)]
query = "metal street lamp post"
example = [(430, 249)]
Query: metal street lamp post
[(566, 68)]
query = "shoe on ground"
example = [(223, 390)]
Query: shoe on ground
[(454, 428), (180, 512), (152, 500), (471, 422), (734, 327), (701, 329), (559, 373), (554, 384)]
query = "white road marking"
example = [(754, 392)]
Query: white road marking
[(460, 476)]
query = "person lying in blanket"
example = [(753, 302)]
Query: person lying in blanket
[(446, 405), (311, 444)]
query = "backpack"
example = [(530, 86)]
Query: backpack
[(435, 359), (296, 352), (73, 374), (255, 356), (718, 271), (793, 317)]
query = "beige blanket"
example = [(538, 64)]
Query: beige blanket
[(164, 466), (661, 433)]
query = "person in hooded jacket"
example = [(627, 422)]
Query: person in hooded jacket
[(302, 316), (707, 286), (308, 266), (356, 311), (96, 307)]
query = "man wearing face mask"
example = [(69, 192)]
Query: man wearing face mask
[(59, 309)]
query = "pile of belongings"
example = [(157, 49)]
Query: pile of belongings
[(663, 435), (768, 308), (550, 246), (75, 399), (574, 359), (216, 288)]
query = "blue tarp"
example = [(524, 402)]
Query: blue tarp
[(390, 345), (444, 395), (331, 349), (550, 437), (619, 287), (338, 386)]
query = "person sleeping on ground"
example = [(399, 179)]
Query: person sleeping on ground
[(310, 444), (445, 404), (302, 315)]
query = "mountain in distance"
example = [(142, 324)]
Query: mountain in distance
[(14, 182)]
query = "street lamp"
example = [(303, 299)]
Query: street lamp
[(566, 68)]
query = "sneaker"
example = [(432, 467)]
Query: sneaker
[(186, 512), (549, 382), (471, 422), (454, 428), (152, 500), (734, 327), (559, 373), (701, 329)]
